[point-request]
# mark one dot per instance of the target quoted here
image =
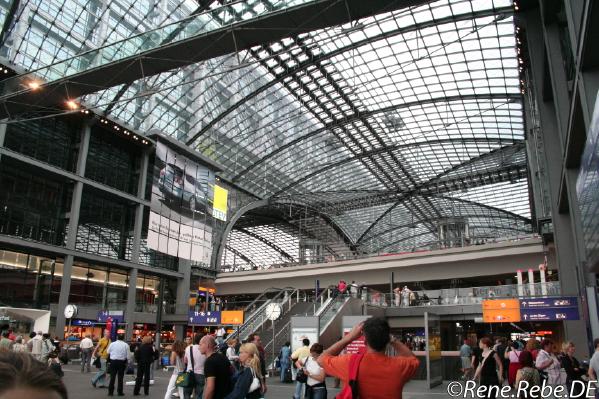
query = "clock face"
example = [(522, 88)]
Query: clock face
[(273, 311), (70, 311)]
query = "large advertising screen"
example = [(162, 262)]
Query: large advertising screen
[(181, 211)]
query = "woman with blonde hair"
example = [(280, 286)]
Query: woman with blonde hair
[(177, 356), (247, 379)]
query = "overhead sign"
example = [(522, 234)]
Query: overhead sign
[(204, 318), (501, 310), (114, 315), (530, 309), (544, 303), (552, 314), (82, 323), (219, 207), (231, 317)]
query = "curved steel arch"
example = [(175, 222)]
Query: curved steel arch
[(311, 61), (426, 184), (509, 216)]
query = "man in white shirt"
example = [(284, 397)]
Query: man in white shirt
[(117, 353), (35, 345), (594, 367), (197, 366), (86, 347)]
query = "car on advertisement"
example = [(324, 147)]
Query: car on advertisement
[(175, 184)]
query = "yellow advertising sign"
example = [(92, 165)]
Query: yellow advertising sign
[(219, 207)]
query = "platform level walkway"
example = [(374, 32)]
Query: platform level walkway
[(79, 387)]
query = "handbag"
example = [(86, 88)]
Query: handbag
[(350, 391), (301, 375), (255, 382), (97, 363), (185, 379)]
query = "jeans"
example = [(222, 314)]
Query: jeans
[(199, 387), (117, 369), (172, 388), (284, 367), (299, 388), (86, 356), (143, 374), (319, 392), (100, 376)]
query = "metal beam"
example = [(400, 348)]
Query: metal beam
[(149, 59), (242, 256), (387, 149), (267, 242), (9, 19), (355, 117), (328, 55)]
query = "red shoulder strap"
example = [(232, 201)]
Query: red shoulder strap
[(354, 365)]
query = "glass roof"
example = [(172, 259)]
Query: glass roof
[(387, 124)]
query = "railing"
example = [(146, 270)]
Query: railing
[(329, 312), (256, 319), (461, 296), (281, 336), (428, 247)]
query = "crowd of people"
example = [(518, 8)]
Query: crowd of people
[(499, 362), (202, 370)]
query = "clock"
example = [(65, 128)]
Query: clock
[(70, 311), (273, 311)]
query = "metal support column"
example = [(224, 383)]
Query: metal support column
[(65, 284)]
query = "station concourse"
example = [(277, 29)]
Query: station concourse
[(288, 169)]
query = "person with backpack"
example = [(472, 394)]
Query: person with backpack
[(371, 371), (145, 355)]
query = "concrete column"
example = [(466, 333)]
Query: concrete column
[(135, 250), (183, 285), (130, 309), (551, 114), (65, 284)]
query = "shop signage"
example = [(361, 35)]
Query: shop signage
[(4, 318), (115, 315), (204, 318), (231, 317), (83, 323)]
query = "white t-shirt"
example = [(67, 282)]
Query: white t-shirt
[(594, 364), (86, 343), (221, 332), (198, 359), (553, 370), (312, 366)]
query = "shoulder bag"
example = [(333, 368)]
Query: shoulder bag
[(185, 379), (350, 391), (302, 376), (255, 382)]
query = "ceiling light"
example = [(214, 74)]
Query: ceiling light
[(34, 85), (72, 104)]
